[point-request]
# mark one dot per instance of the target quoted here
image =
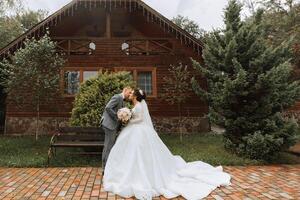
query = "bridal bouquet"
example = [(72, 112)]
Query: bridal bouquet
[(124, 115)]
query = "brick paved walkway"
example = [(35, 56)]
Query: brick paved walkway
[(267, 182)]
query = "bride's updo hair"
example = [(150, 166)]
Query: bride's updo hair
[(140, 94)]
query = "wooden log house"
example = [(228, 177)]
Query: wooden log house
[(113, 35)]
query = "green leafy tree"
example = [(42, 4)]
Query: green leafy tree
[(94, 94), (29, 18), (14, 20), (9, 27), (280, 20), (10, 6), (189, 25), (249, 86), (9, 30), (276, 5), (177, 88), (32, 75)]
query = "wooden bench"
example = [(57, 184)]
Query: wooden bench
[(76, 137)]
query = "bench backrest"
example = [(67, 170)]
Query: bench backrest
[(95, 130), (81, 134)]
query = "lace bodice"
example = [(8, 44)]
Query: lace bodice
[(137, 114)]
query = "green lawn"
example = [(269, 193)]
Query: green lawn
[(25, 152), (209, 148)]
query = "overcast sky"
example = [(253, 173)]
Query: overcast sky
[(208, 13)]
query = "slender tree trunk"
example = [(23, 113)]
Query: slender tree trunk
[(38, 119), (38, 113), (180, 122), (5, 127)]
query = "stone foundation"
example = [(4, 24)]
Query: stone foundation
[(27, 125), (163, 125), (189, 125)]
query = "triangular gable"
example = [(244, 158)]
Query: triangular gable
[(130, 5)]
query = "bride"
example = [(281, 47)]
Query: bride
[(141, 165)]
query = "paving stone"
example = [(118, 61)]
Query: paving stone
[(62, 193), (45, 193), (285, 195), (248, 183), (217, 197)]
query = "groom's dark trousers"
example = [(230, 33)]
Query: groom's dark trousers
[(110, 124), (110, 139)]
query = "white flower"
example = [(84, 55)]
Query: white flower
[(124, 115)]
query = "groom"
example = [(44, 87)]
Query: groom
[(110, 122)]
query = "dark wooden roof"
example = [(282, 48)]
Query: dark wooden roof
[(130, 5)]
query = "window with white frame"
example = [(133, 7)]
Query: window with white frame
[(144, 82), (145, 78)]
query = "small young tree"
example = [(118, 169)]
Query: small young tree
[(32, 75), (177, 89), (93, 96), (249, 85)]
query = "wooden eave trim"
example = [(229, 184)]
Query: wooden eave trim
[(148, 12), (43, 24)]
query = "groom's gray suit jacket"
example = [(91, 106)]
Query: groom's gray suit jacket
[(109, 118)]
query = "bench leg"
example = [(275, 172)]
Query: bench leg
[(50, 152)]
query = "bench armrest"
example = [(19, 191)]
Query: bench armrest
[(54, 138)]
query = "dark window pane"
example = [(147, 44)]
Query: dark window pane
[(145, 82), (72, 82)]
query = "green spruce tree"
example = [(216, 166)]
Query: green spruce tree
[(249, 86)]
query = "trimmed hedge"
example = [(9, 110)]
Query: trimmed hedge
[(94, 95)]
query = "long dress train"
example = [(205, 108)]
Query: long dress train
[(141, 165)]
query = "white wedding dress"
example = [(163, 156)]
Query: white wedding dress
[(141, 165)]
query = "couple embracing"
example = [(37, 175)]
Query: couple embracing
[(138, 164)]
